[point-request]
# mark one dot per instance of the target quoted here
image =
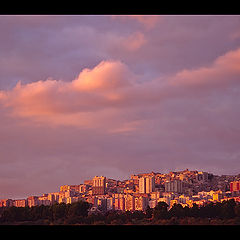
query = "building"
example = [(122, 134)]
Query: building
[(119, 202), (64, 188), (53, 197), (129, 202), (141, 203), (155, 195), (110, 203), (88, 182), (73, 188), (70, 200), (235, 186), (135, 179), (147, 184), (175, 186), (83, 188), (43, 200), (6, 202), (20, 203), (217, 196), (32, 201), (99, 185), (202, 176), (102, 204)]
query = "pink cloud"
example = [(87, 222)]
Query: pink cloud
[(224, 70), (104, 93), (78, 103), (105, 76)]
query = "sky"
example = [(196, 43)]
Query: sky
[(87, 95)]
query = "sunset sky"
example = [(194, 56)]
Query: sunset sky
[(116, 95)]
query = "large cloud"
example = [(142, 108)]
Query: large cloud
[(110, 86)]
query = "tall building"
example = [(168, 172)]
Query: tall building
[(119, 202), (175, 186), (141, 203), (147, 184), (235, 186), (99, 185), (129, 202), (32, 201)]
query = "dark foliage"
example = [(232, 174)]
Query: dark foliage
[(227, 212)]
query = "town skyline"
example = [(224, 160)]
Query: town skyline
[(116, 179), (140, 196)]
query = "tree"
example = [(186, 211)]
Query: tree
[(177, 210), (59, 211), (194, 211), (160, 211), (227, 209), (148, 212), (78, 209), (237, 210)]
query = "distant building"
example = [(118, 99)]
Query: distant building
[(175, 186), (235, 186), (20, 203), (71, 200), (147, 184), (135, 179), (155, 195), (43, 200), (141, 203), (110, 203), (102, 204), (119, 202), (83, 188), (99, 185), (6, 202), (202, 176), (32, 201), (53, 197), (88, 182), (73, 188), (129, 202)]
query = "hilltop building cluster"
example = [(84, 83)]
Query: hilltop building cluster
[(140, 191)]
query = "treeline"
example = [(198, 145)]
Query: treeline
[(227, 212)]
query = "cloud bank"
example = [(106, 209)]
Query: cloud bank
[(111, 86)]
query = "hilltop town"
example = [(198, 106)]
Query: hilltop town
[(141, 191)]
